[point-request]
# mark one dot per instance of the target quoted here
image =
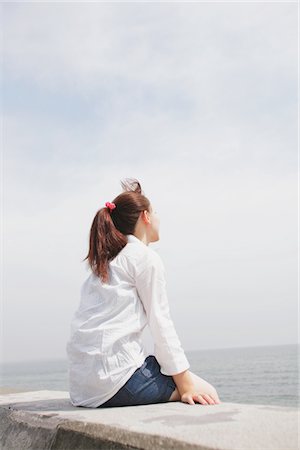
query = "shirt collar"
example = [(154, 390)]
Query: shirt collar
[(133, 238)]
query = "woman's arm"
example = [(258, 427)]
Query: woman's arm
[(183, 382), (151, 288)]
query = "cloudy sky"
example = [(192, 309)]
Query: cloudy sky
[(198, 101)]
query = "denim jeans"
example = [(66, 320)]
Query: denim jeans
[(146, 385)]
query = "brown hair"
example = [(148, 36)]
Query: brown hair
[(110, 227)]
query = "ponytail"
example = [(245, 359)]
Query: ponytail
[(110, 227)]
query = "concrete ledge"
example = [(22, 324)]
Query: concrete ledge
[(47, 420)]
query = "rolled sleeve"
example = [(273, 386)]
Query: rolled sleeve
[(151, 288)]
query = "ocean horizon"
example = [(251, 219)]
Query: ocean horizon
[(266, 375)]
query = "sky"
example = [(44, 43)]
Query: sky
[(196, 100)]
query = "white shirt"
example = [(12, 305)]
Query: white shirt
[(105, 346)]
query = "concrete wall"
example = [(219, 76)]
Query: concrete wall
[(47, 420)]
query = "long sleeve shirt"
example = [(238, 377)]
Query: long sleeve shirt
[(105, 345)]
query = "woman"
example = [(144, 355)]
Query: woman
[(126, 290)]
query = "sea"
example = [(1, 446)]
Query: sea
[(264, 375)]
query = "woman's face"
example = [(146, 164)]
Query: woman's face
[(154, 225)]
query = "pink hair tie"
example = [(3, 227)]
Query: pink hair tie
[(109, 205)]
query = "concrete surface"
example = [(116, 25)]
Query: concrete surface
[(47, 420)]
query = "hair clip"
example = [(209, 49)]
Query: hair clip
[(110, 206)]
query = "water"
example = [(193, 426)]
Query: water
[(252, 375)]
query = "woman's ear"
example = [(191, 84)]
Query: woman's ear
[(146, 216)]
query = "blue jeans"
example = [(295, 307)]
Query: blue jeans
[(146, 385)]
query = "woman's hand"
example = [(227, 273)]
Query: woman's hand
[(192, 388), (202, 397)]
